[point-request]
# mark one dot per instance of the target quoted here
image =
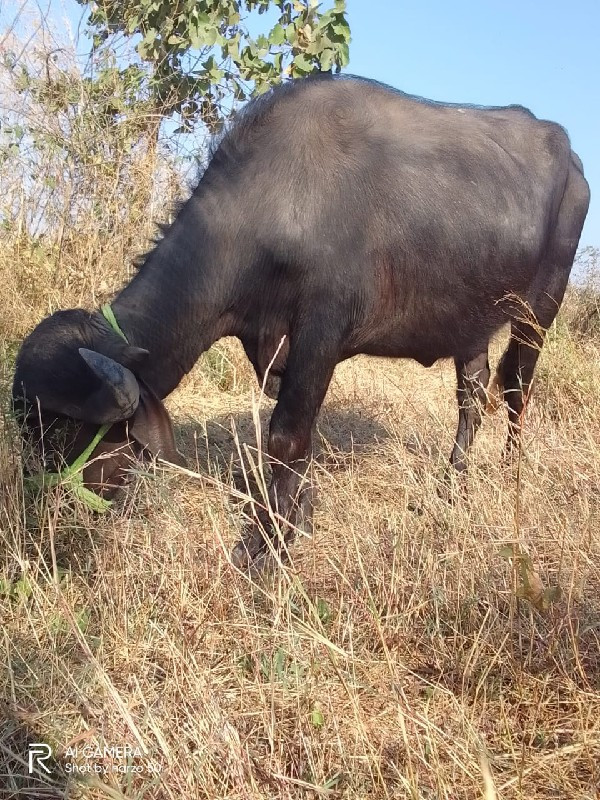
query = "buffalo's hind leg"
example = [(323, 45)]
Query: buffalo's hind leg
[(515, 375), (517, 365), (312, 359), (472, 379), (529, 325)]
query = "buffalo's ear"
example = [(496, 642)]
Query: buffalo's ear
[(133, 357), (151, 427)]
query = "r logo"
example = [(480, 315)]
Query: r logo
[(39, 752)]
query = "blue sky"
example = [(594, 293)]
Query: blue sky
[(543, 54)]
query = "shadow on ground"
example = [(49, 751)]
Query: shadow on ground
[(217, 442)]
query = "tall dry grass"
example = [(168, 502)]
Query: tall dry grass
[(410, 649), (85, 172)]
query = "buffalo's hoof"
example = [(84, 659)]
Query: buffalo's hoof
[(251, 547), (414, 508), (453, 488), (261, 543), (265, 542)]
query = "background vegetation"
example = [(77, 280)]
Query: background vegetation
[(411, 649)]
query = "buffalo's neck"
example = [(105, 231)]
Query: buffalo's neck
[(171, 307)]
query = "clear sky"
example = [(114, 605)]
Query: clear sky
[(543, 54)]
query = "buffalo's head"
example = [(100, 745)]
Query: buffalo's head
[(74, 374)]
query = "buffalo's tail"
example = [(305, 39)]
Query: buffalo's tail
[(495, 392)]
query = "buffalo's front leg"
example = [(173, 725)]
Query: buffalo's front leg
[(472, 379), (472, 376), (304, 385)]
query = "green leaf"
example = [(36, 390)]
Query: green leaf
[(342, 29), (344, 54), (211, 36), (291, 34), (233, 48), (303, 64), (326, 18), (332, 782), (316, 717), (214, 72), (132, 24), (22, 589), (327, 59), (279, 663), (277, 35), (201, 20), (146, 46), (323, 611), (508, 551), (82, 619)]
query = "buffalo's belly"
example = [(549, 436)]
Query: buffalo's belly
[(429, 334), (424, 349)]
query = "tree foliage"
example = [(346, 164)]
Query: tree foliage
[(200, 54)]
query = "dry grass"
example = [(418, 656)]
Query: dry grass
[(392, 658)]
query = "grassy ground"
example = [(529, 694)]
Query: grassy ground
[(399, 655)]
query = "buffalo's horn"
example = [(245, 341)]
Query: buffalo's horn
[(121, 382)]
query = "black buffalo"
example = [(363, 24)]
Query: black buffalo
[(348, 218)]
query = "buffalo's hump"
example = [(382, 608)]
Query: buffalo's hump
[(351, 159)]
